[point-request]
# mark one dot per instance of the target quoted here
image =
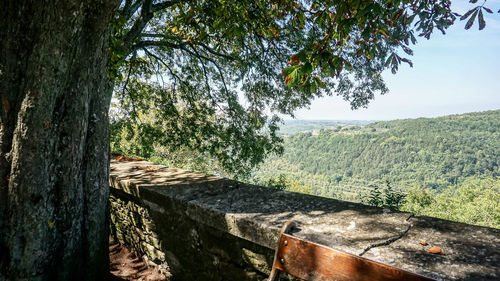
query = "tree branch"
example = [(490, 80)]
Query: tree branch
[(198, 55), (204, 70), (139, 24), (213, 52), (147, 13), (167, 44), (130, 8), (153, 43), (154, 35), (164, 5), (176, 77)]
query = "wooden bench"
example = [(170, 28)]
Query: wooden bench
[(310, 261)]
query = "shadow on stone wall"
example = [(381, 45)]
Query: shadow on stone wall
[(208, 228)]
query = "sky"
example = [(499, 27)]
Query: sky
[(454, 73)]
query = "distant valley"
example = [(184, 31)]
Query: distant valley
[(349, 160)]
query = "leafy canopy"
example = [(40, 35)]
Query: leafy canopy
[(215, 76)]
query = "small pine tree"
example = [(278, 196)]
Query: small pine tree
[(393, 199), (280, 182), (375, 197)]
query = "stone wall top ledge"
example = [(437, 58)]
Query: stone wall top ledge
[(257, 213)]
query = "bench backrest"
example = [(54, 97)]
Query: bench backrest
[(313, 262)]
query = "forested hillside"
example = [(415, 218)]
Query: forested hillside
[(427, 152)]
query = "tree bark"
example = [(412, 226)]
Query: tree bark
[(54, 139)]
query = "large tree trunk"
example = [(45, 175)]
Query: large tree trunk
[(54, 141)]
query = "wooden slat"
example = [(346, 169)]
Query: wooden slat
[(314, 262)]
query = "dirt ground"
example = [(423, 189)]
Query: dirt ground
[(125, 265)]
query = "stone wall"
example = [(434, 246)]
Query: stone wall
[(201, 227)]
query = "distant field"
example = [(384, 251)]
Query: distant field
[(291, 127)]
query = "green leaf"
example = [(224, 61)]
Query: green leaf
[(366, 33), (348, 65), (389, 59), (313, 87), (413, 39), (303, 56), (372, 53), (488, 10), (306, 81), (307, 68), (51, 224), (466, 15), (409, 62), (471, 20), (407, 50), (482, 23)]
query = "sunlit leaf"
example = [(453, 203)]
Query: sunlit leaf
[(51, 224)]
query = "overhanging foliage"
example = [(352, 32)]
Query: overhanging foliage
[(215, 76)]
